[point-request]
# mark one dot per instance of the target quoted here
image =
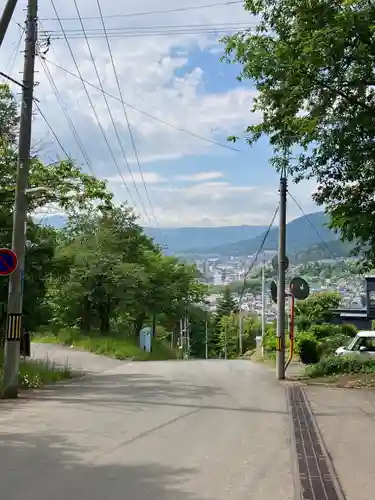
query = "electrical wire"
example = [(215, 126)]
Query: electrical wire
[(94, 110), (122, 33), (110, 113), (315, 229), (147, 13), (145, 113), (260, 249), (67, 116), (12, 59), (125, 113)]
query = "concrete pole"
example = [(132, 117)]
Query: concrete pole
[(280, 333), (206, 333), (12, 347), (240, 330), (263, 308), (6, 18)]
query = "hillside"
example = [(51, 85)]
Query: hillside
[(300, 235), (321, 251), (180, 239)]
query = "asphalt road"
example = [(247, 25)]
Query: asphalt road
[(178, 430)]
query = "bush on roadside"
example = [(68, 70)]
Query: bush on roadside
[(329, 345), (325, 330), (308, 348), (338, 365), (348, 330)]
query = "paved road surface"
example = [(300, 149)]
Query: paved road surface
[(179, 430)]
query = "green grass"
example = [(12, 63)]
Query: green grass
[(34, 373), (341, 365), (109, 346)]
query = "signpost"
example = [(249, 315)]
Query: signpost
[(8, 262)]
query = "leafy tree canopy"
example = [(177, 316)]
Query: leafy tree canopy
[(312, 62)]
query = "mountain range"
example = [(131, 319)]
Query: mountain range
[(305, 235), (301, 233)]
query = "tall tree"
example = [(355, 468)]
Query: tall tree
[(313, 65)]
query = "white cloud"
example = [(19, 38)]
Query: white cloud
[(201, 176), (156, 75)]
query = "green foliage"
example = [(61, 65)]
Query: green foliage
[(329, 345), (34, 373), (114, 347), (312, 64), (308, 347), (101, 276), (337, 365), (317, 308)]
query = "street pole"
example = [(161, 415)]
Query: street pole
[(15, 295), (280, 333), (6, 18), (240, 330), (225, 339), (206, 332), (263, 308)]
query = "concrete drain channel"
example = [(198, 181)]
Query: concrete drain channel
[(316, 476)]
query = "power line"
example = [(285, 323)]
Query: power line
[(148, 13), (66, 114), (125, 112), (93, 109), (110, 112), (264, 239), (130, 33), (315, 229), (51, 129), (145, 113)]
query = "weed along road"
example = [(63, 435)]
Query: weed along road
[(178, 430)]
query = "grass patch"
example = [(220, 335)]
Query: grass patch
[(35, 373), (334, 366), (109, 346)]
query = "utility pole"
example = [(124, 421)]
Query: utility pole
[(6, 18), (15, 295), (225, 340), (206, 333), (280, 333), (240, 329), (263, 308)]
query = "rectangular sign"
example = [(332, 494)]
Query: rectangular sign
[(14, 326)]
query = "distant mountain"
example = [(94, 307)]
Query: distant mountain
[(180, 239), (177, 240), (323, 251), (301, 234)]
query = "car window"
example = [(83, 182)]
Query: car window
[(367, 342)]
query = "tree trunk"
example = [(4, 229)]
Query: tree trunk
[(86, 315), (138, 324), (104, 318)]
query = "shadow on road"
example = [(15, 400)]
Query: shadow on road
[(40, 467), (137, 392)]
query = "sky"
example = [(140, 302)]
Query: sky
[(175, 77)]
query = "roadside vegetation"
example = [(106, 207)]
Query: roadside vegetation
[(35, 374)]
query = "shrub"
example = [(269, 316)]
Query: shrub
[(329, 345), (308, 348), (325, 330), (348, 330), (336, 365)]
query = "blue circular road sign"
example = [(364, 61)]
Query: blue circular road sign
[(8, 262)]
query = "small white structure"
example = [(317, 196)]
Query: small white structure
[(145, 339)]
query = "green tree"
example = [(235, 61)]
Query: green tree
[(66, 186), (316, 309), (313, 63)]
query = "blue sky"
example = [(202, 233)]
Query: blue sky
[(177, 78)]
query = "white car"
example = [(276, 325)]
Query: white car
[(363, 343)]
